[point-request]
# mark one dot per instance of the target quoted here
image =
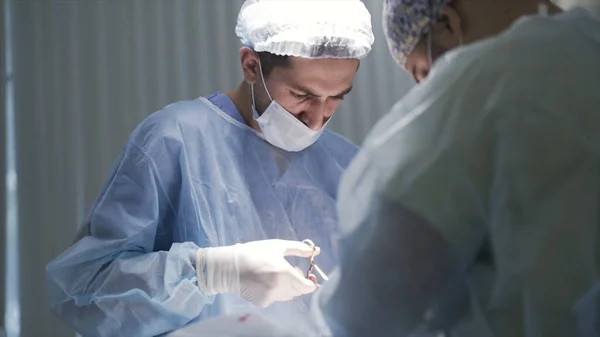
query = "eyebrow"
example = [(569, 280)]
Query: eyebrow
[(308, 92), (345, 92)]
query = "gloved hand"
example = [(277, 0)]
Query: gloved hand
[(257, 271)]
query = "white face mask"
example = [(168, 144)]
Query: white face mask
[(429, 43), (281, 128)]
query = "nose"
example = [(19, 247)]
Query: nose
[(317, 115), (422, 73)]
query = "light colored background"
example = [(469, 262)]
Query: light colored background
[(86, 72)]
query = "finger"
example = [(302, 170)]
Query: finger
[(301, 284), (311, 277), (297, 248)]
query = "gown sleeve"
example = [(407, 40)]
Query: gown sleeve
[(111, 282)]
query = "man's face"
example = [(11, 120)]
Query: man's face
[(310, 89), (445, 34), (420, 61)]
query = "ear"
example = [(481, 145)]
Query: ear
[(449, 29), (250, 65)]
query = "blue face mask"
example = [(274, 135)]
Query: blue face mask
[(282, 129)]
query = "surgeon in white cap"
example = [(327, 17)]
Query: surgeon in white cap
[(210, 195)]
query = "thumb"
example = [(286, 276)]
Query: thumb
[(297, 248)]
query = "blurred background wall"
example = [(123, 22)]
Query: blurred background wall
[(85, 73)]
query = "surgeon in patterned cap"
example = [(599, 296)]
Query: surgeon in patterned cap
[(472, 208), (420, 31)]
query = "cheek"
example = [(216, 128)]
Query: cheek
[(292, 104), (327, 108), (330, 106), (333, 104), (439, 51), (419, 58), (262, 101), (286, 100)]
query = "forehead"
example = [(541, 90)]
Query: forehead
[(417, 57), (406, 21), (328, 73)]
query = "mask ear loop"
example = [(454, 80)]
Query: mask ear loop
[(429, 43), (262, 78), (252, 92), (543, 9)]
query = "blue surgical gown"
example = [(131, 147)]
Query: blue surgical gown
[(191, 175)]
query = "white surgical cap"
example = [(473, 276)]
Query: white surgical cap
[(306, 28)]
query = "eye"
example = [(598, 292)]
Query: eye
[(338, 98), (300, 96)]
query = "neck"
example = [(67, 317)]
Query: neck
[(492, 17), (530, 7), (242, 99)]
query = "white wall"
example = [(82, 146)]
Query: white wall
[(88, 71)]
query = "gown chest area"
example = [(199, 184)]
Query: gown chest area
[(246, 190)]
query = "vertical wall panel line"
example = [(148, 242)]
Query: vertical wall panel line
[(74, 66), (12, 309), (141, 77), (183, 31)]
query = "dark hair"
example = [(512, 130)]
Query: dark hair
[(327, 46), (269, 61)]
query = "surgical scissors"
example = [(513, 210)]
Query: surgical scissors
[(312, 264)]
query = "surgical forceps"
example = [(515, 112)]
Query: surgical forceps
[(312, 264)]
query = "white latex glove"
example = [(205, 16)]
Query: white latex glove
[(257, 271)]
